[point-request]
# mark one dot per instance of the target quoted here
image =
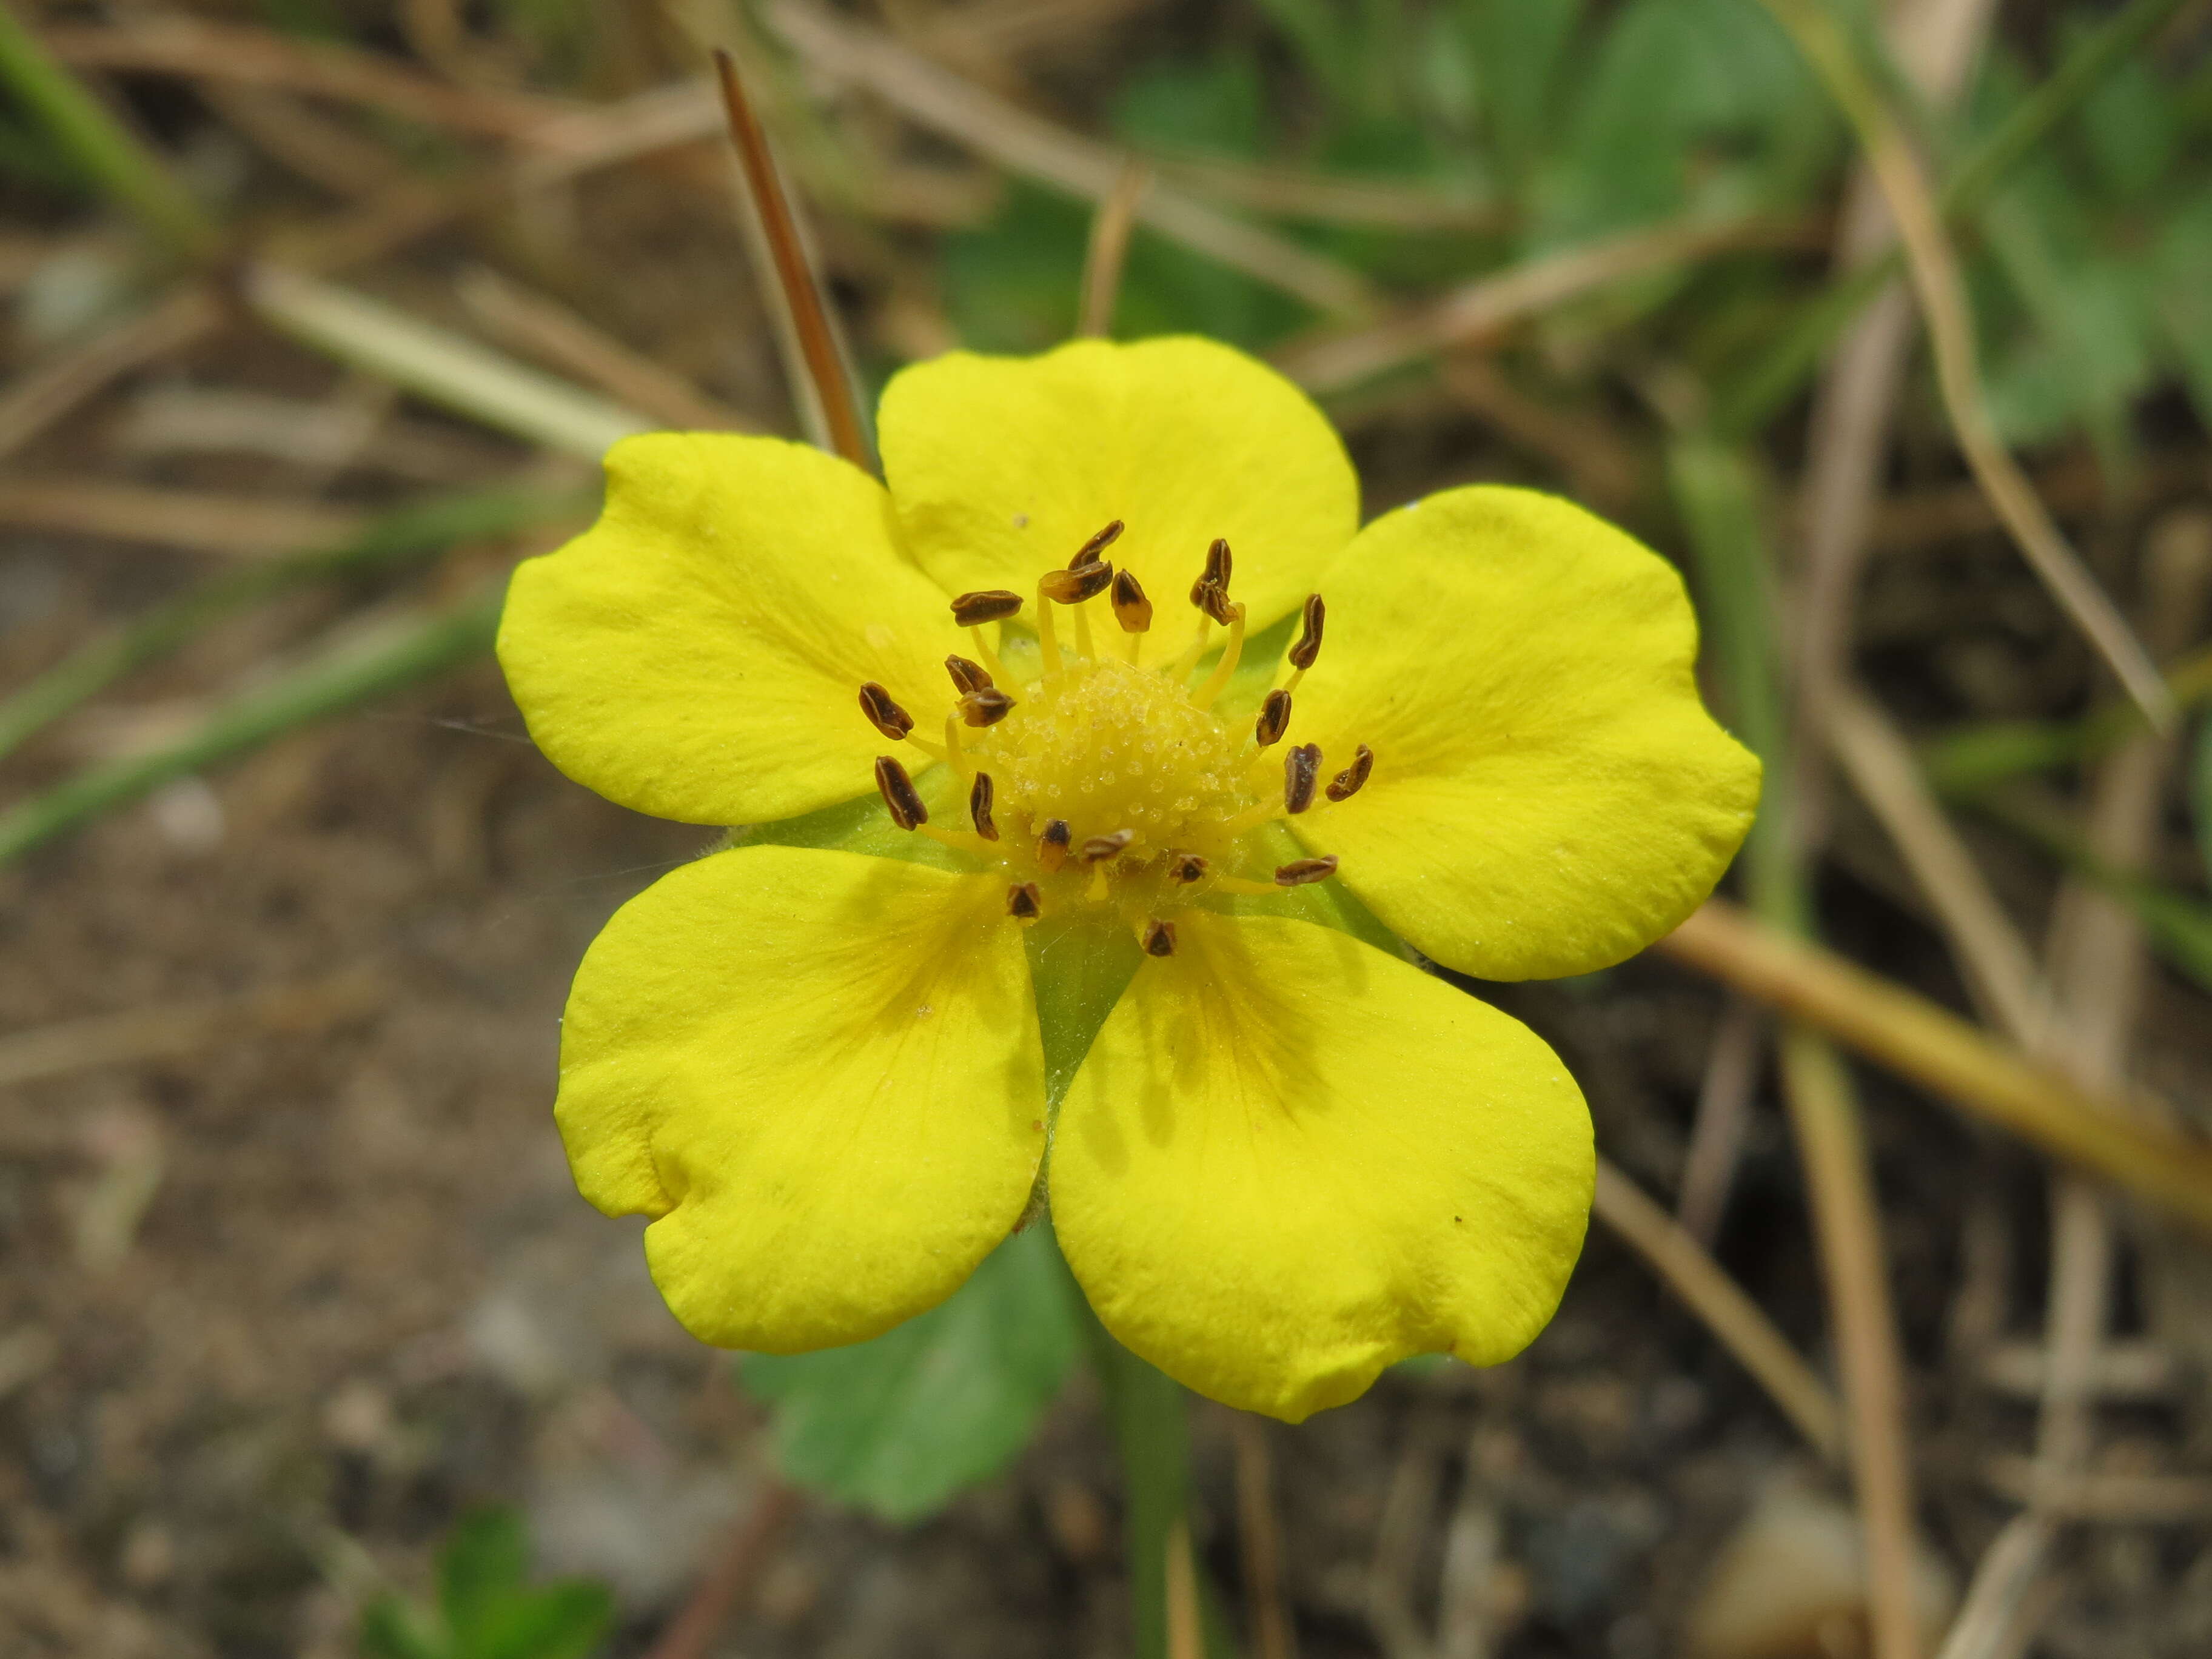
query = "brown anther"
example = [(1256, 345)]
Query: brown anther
[(1187, 868), (1159, 938), (1106, 847), (1301, 771), (886, 716), (1052, 845), (1131, 608), (1218, 563), (1096, 545), (1309, 624), (1298, 872), (1084, 582), (1274, 719), (1346, 784), (1213, 600), (900, 794), (990, 604), (986, 707), (979, 795), (1023, 903), (968, 676)]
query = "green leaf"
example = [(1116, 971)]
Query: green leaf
[(1519, 48), (391, 1630), (564, 1621), (2183, 296), (483, 1563), (2130, 124), (899, 1425)]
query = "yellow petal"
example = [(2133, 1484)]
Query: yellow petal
[(1549, 796), (1001, 467), (1291, 1159), (698, 652), (820, 1072)]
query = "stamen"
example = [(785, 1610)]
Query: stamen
[(1274, 720), (1052, 845), (987, 707), (1218, 566), (1187, 868), (955, 756), (967, 676), (1301, 771), (1159, 938), (1131, 608), (1106, 847), (1232, 653), (988, 604), (1084, 582), (885, 715), (1308, 646), (1347, 783), (1310, 626), (1096, 545), (1212, 598), (990, 657), (1301, 872), (900, 794), (1023, 902), (979, 796)]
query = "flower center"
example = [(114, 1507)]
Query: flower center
[(1106, 781)]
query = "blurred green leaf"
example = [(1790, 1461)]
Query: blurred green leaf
[(484, 1562), (899, 1425), (390, 1630), (562, 1621), (2181, 274), (1519, 48), (2130, 124), (487, 1609)]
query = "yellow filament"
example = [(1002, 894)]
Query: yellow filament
[(1253, 817), (1218, 679), (953, 756), (1047, 636), (925, 746), (988, 657), (966, 840), (1083, 649), (1194, 650), (1098, 888), (1240, 885), (1291, 684), (1136, 644)]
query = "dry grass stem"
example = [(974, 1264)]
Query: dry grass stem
[(1998, 967), (234, 526), (1723, 1110), (1337, 363), (1260, 1540), (199, 49), (795, 279), (1186, 1624), (735, 1571), (1847, 1224), (1324, 197), (2010, 1571), (49, 392), (432, 362), (956, 109), (2125, 1370), (142, 1034), (1602, 467), (2116, 1499), (541, 327), (1407, 1505), (1108, 251), (1936, 1048), (1942, 297), (1733, 1317)]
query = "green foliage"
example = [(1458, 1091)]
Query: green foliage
[(2200, 794), (487, 1608), (899, 1425)]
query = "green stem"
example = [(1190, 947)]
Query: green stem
[(397, 538), (109, 154), (400, 652), (1152, 1428)]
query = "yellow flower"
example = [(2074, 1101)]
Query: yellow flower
[(820, 1061)]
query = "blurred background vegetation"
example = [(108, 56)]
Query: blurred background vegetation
[(320, 314)]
